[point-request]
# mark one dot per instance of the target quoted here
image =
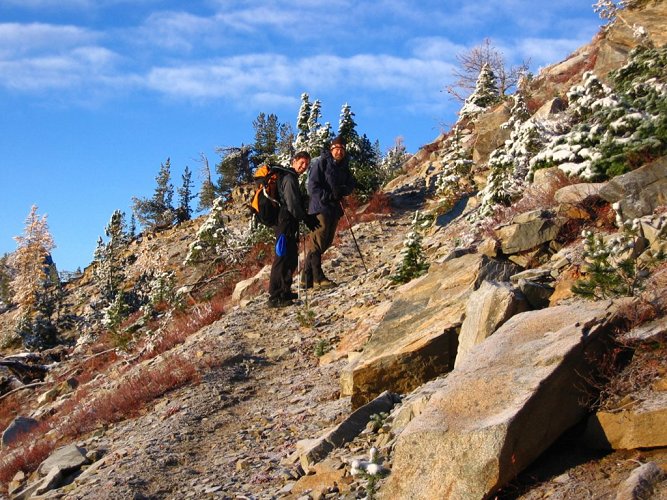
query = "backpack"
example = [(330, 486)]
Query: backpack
[(265, 203)]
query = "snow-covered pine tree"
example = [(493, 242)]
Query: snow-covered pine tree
[(302, 126), (609, 131), (108, 258), (347, 128), (414, 262), (455, 179), (485, 94), (35, 283), (211, 238), (393, 160)]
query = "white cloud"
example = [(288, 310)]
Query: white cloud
[(545, 51), (16, 38), (250, 77), (80, 67)]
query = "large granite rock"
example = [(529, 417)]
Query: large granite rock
[(488, 308), (508, 401), (528, 230), (639, 192), (642, 425), (489, 134), (418, 335)]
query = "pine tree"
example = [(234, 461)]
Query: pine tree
[(347, 127), (302, 124), (393, 160), (6, 276), (35, 285), (185, 196), (158, 210), (207, 190), (108, 257), (285, 147), (234, 168), (485, 95), (266, 139)]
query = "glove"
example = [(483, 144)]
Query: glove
[(312, 222)]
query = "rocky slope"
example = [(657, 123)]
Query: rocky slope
[(472, 381)]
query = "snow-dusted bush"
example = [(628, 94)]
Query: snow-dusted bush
[(611, 266), (486, 93), (510, 163), (611, 131), (414, 261), (455, 179)]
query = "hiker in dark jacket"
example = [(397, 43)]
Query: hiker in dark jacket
[(287, 232), (329, 181)]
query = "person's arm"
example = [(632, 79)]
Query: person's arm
[(292, 196)]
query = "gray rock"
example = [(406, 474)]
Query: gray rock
[(508, 401), (488, 308), (316, 450), (18, 426), (529, 230), (639, 192), (65, 458), (577, 193), (537, 294), (641, 482)]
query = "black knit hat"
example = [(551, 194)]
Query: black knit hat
[(338, 140)]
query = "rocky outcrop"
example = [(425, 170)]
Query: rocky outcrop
[(488, 133), (509, 399), (528, 230), (417, 338), (488, 308), (643, 424), (639, 192)]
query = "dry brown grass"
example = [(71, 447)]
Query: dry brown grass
[(92, 407)]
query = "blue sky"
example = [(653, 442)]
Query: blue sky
[(96, 94)]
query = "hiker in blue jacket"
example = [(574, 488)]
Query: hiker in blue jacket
[(287, 231), (329, 180)]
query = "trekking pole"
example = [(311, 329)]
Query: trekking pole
[(305, 288), (349, 223)]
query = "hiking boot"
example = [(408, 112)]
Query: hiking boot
[(324, 284), (305, 283), (276, 303)]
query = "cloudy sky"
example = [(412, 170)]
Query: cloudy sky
[(96, 94)]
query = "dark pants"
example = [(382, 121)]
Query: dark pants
[(318, 243), (282, 270)]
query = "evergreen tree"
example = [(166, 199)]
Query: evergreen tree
[(347, 127), (266, 139), (485, 95), (285, 147), (233, 168), (393, 160), (108, 257), (6, 276), (365, 166), (207, 191), (158, 210), (35, 284), (302, 124), (185, 196)]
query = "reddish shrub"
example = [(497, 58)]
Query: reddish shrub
[(26, 458)]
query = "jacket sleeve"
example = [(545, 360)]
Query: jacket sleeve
[(292, 196), (317, 180), (341, 181)]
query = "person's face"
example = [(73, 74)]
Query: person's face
[(300, 165), (338, 152)]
